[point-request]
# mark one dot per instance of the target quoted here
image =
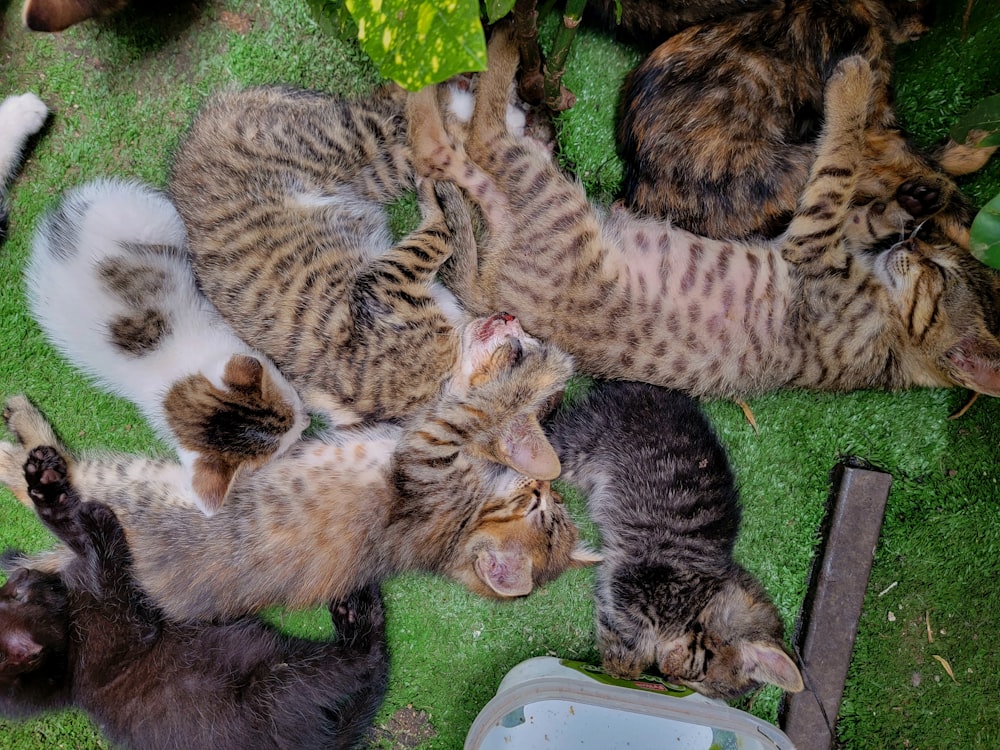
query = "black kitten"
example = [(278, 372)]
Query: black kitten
[(669, 593), (88, 638)]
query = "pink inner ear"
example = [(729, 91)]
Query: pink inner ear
[(528, 451), (507, 573), (19, 646), (769, 663), (978, 366), (211, 478)]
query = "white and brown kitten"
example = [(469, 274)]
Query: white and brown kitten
[(669, 593), (110, 283), (356, 504), (21, 117)]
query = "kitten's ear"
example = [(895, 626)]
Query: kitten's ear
[(583, 556), (975, 364), (769, 663), (19, 647), (506, 572), (523, 447), (244, 373), (211, 478)]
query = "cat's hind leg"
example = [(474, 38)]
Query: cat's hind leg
[(21, 117)]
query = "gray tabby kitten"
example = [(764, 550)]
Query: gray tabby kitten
[(669, 594)]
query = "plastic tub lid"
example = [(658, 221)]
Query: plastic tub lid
[(547, 702)]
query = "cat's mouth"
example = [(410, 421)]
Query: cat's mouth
[(483, 337)]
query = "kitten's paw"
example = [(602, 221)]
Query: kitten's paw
[(47, 477), (920, 199), (22, 115), (362, 610), (848, 92), (27, 423)]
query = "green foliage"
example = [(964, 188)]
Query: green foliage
[(984, 238), (497, 9), (984, 116), (413, 43)]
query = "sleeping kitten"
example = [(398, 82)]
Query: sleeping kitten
[(283, 193), (355, 505), (635, 298), (110, 283), (669, 593), (21, 117), (58, 15), (719, 125), (88, 638)]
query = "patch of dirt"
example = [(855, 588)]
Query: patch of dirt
[(406, 729), (236, 22)]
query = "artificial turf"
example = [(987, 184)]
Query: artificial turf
[(122, 92)]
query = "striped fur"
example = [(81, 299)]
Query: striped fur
[(718, 125), (669, 593), (635, 298), (345, 510), (282, 192)]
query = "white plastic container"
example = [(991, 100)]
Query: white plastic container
[(547, 702)]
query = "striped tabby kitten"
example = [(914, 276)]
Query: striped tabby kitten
[(283, 194), (21, 117), (110, 284), (719, 125), (87, 638), (353, 506), (669, 593), (635, 298)]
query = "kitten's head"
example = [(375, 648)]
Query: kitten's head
[(734, 645), (232, 423), (34, 623), (910, 19), (949, 310), (505, 380), (519, 541)]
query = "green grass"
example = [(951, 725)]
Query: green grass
[(122, 92)]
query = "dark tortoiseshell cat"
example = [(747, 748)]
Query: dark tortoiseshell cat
[(669, 593), (110, 284), (87, 638), (636, 298), (648, 22), (353, 506), (718, 126)]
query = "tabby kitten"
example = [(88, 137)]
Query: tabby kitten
[(110, 284), (59, 15), (669, 593), (283, 194), (353, 506), (719, 125), (21, 117), (635, 298), (88, 638)]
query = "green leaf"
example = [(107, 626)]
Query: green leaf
[(497, 9), (419, 42), (984, 116), (333, 17), (984, 237)]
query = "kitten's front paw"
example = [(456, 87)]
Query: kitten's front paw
[(22, 115), (27, 423), (362, 610), (46, 475), (919, 199)]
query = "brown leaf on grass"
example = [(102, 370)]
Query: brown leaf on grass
[(927, 619), (947, 667), (749, 415), (968, 405)]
